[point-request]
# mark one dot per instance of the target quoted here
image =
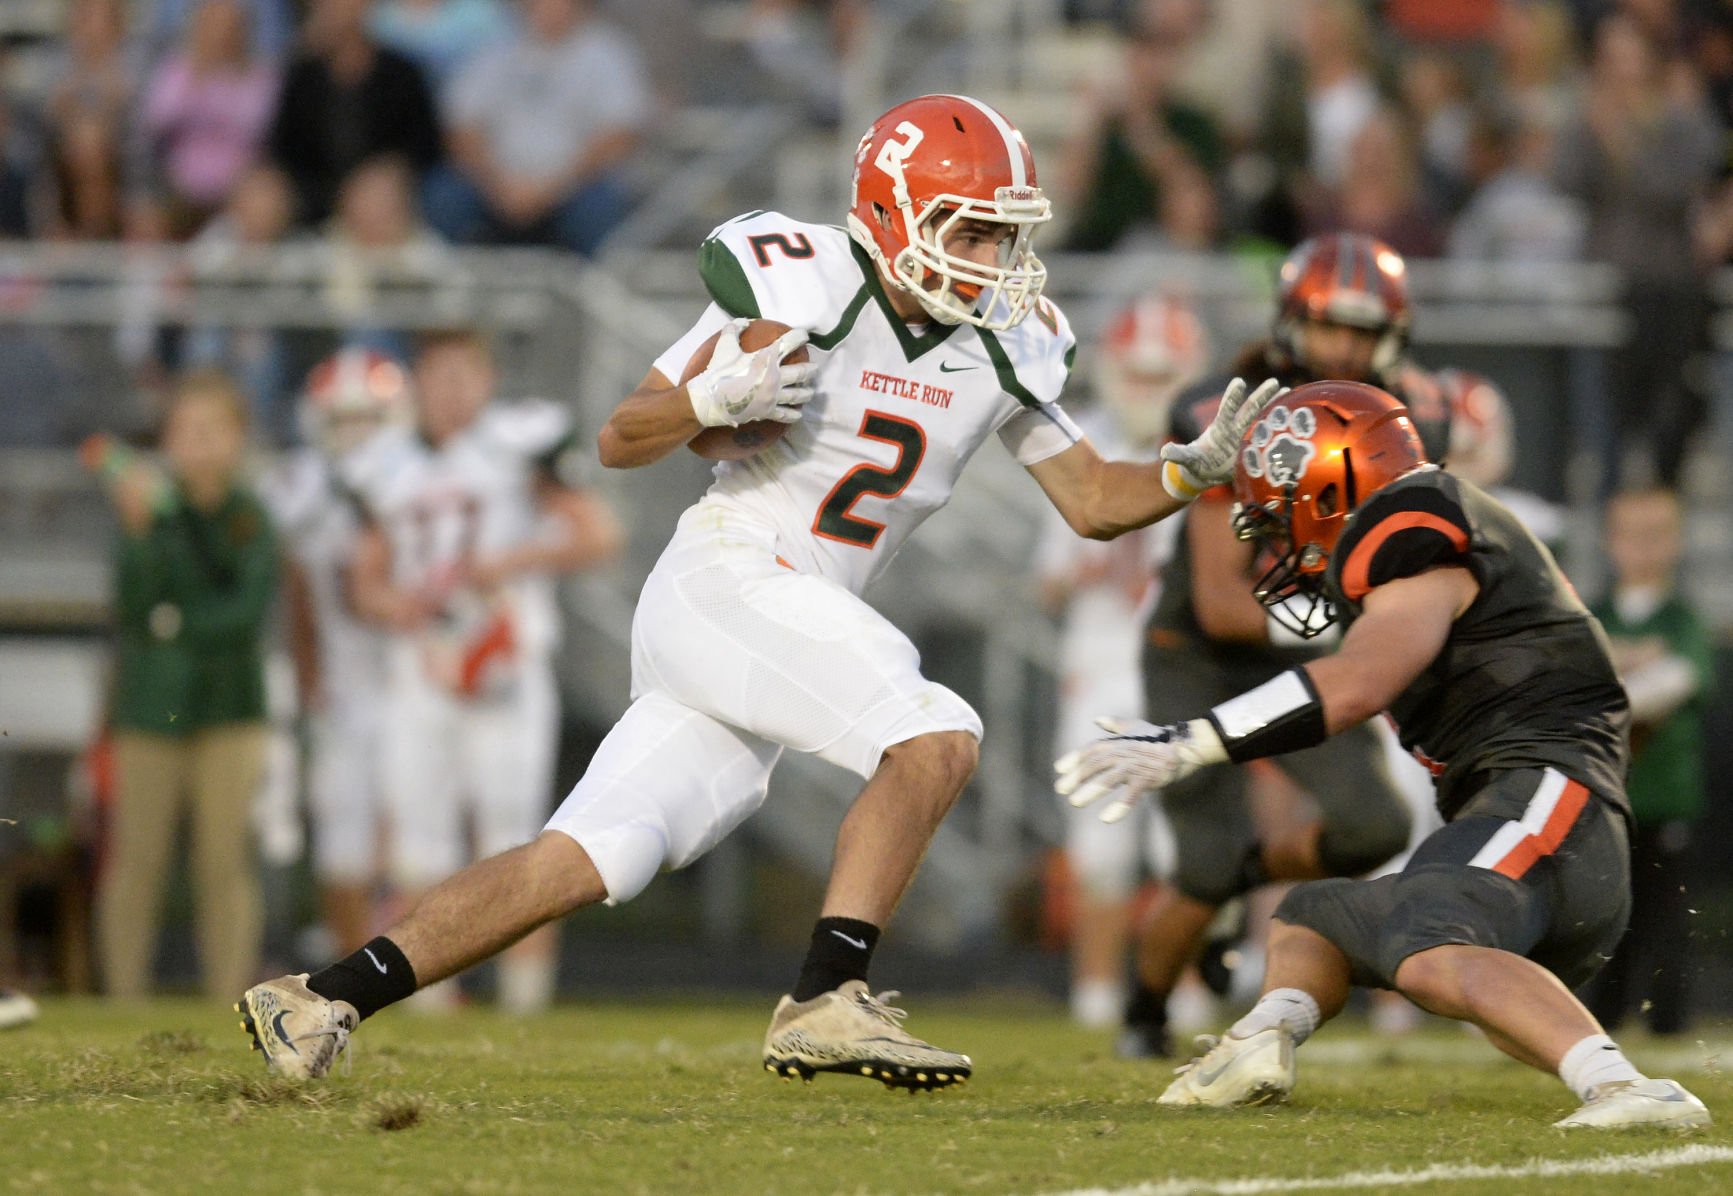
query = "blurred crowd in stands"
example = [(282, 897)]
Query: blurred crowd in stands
[(1488, 130), (473, 120)]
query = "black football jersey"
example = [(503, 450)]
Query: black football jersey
[(1524, 679)]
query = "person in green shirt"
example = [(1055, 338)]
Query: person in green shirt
[(1146, 159), (1664, 658), (195, 576)]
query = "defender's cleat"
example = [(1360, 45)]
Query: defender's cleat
[(300, 1032), (851, 1032), (1236, 1071), (1638, 1102)]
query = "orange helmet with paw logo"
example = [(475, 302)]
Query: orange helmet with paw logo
[(1309, 461), (1348, 279), (929, 166)]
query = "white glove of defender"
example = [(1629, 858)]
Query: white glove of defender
[(1209, 460), (738, 387), (1136, 759)]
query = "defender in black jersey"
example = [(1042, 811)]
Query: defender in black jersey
[(1461, 626), (1341, 312)]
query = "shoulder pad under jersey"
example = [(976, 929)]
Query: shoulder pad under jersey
[(765, 265), (1408, 527), (1034, 359)]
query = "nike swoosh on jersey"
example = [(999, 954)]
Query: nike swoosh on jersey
[(946, 367)]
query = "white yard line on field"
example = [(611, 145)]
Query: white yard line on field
[(1608, 1164)]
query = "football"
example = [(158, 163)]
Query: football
[(733, 444)]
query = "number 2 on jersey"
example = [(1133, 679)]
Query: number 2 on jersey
[(836, 520)]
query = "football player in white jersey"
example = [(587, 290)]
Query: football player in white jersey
[(1102, 592), (470, 516), (927, 334), (339, 662)]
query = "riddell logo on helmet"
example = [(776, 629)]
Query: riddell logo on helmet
[(1281, 447)]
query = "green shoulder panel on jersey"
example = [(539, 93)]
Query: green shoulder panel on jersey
[(1045, 349), (1007, 374), (844, 326), (725, 279)]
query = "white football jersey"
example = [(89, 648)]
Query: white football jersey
[(316, 517), (471, 497), (898, 411)]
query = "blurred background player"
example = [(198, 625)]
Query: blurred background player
[(1664, 657), (1483, 450), (1101, 593), (339, 659), (1342, 313), (469, 517)]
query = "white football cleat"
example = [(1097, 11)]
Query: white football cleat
[(300, 1032), (1638, 1102), (1236, 1071), (851, 1032)]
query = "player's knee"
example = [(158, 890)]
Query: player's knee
[(944, 760), (1431, 979), (564, 872)]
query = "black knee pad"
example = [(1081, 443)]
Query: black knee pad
[(1312, 904), (1353, 847), (1217, 882)]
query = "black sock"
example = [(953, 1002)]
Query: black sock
[(374, 977), (1146, 1007), (841, 950)]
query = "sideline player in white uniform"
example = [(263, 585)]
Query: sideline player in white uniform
[(339, 660), (469, 521), (1152, 350), (927, 335)]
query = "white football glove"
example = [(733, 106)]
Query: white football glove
[(1137, 758), (1209, 460), (738, 387)]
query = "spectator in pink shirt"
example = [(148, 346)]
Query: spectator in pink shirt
[(206, 111)]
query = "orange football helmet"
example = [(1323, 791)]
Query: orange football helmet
[(1482, 438), (1151, 351), (349, 396), (1349, 279), (927, 166), (1309, 461)]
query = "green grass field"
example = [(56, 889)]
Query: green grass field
[(655, 1097)]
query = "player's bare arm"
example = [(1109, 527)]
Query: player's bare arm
[(371, 592), (1401, 630), (651, 422), (732, 386), (1102, 499), (1220, 562), (580, 531), (303, 633)]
